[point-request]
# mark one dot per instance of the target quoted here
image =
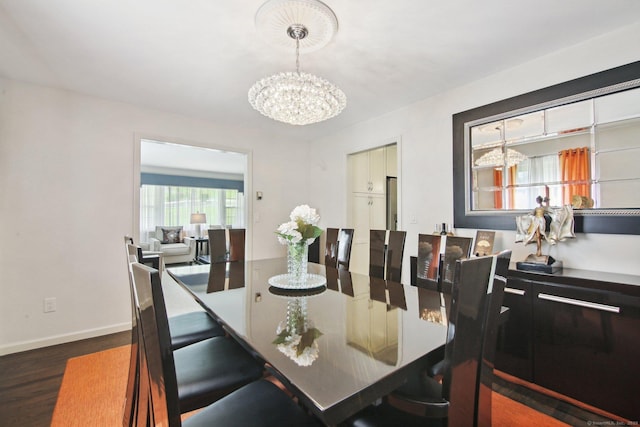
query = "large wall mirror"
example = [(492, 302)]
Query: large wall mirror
[(575, 143)]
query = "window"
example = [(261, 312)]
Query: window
[(173, 205)]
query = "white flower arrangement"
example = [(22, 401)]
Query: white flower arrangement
[(297, 348), (302, 226), (296, 335)]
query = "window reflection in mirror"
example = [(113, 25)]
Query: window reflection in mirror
[(585, 153)]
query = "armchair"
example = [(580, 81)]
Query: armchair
[(175, 248)]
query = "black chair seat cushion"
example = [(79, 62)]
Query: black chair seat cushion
[(259, 404), (211, 369), (192, 327)]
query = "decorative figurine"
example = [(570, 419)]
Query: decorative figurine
[(532, 228)]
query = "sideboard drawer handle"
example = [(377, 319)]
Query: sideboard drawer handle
[(580, 303), (514, 291)]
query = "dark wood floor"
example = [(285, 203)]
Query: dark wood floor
[(30, 380), (29, 384)]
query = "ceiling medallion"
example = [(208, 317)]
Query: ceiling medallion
[(297, 98)]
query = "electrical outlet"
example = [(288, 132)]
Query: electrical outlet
[(49, 305)]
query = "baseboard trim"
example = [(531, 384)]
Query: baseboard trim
[(62, 339)]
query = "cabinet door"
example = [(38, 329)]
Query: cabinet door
[(377, 213), (514, 347), (361, 219), (368, 212), (587, 347), (359, 170), (377, 170)]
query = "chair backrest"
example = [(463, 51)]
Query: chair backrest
[(492, 323), (377, 253), (134, 250), (136, 403), (471, 300), (331, 247), (217, 245), (345, 240), (428, 262), (131, 393), (237, 244), (155, 347), (395, 252), (385, 260), (456, 248)]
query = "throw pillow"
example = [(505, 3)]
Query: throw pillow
[(172, 235)]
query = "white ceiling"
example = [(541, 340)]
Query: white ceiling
[(199, 57), (180, 157)]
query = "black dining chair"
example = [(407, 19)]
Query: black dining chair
[(217, 246), (395, 252), (331, 247), (377, 253), (152, 260), (237, 237), (456, 247), (385, 260), (259, 403), (435, 369), (345, 240), (428, 261), (460, 399), (187, 328), (337, 252), (205, 371), (130, 408)]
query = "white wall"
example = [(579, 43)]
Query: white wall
[(66, 191), (426, 153)]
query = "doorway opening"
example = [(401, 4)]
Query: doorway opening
[(189, 188), (373, 198)]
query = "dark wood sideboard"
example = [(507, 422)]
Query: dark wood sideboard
[(576, 333)]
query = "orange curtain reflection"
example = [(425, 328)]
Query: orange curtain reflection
[(574, 168), (498, 182)]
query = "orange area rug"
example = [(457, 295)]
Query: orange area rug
[(93, 389)]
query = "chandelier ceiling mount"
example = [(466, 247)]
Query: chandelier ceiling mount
[(297, 98)]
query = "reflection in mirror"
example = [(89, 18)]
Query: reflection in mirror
[(576, 143), (580, 154)]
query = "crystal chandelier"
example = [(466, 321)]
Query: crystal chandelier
[(495, 157), (298, 98)]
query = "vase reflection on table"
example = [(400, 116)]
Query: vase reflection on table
[(298, 234), (296, 335)]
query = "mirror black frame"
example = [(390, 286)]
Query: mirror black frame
[(606, 221)]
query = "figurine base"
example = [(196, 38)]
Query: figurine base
[(541, 268)]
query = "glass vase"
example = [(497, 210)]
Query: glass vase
[(297, 259)]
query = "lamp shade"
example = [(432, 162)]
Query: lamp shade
[(198, 218)]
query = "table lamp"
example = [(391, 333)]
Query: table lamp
[(198, 219)]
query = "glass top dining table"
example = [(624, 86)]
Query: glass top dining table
[(339, 346)]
